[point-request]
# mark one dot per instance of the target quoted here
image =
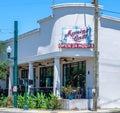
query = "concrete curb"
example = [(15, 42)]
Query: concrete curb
[(13, 110)]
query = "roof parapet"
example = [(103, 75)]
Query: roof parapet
[(75, 5)]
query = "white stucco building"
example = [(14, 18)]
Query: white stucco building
[(60, 53)]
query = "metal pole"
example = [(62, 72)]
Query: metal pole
[(95, 96), (15, 83)]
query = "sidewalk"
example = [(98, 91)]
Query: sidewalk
[(13, 110)]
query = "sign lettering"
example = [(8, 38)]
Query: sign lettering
[(76, 38)]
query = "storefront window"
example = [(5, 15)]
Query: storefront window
[(24, 73), (74, 74), (46, 76)]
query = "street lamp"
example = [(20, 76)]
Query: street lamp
[(9, 50)]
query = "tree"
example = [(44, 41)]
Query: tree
[(3, 70), (1, 46), (3, 64)]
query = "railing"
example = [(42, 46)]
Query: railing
[(44, 90), (77, 93), (35, 90)]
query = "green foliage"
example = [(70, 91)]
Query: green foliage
[(67, 90), (48, 104), (6, 101), (1, 46), (3, 70), (40, 101), (10, 101), (2, 98), (21, 101), (31, 103), (3, 65), (55, 103)]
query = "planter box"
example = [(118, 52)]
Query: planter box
[(77, 104)]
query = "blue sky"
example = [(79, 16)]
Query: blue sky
[(28, 12)]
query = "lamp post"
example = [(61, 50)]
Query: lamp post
[(15, 58)]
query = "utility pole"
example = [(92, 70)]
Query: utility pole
[(95, 91), (15, 83)]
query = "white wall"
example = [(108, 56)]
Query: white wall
[(65, 17), (89, 77), (109, 63), (28, 46), (46, 40)]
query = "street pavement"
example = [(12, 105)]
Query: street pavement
[(13, 110)]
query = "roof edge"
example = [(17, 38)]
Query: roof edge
[(23, 35), (110, 18), (45, 19), (75, 4)]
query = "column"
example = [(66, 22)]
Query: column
[(10, 80), (31, 77), (56, 87)]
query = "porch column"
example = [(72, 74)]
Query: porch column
[(31, 77), (56, 87), (10, 80)]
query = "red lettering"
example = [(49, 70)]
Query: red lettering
[(76, 45), (70, 33)]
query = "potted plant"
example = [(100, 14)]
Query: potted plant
[(68, 91)]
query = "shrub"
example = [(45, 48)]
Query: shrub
[(55, 103), (40, 100), (31, 103), (6, 101), (21, 101), (2, 98), (10, 101)]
